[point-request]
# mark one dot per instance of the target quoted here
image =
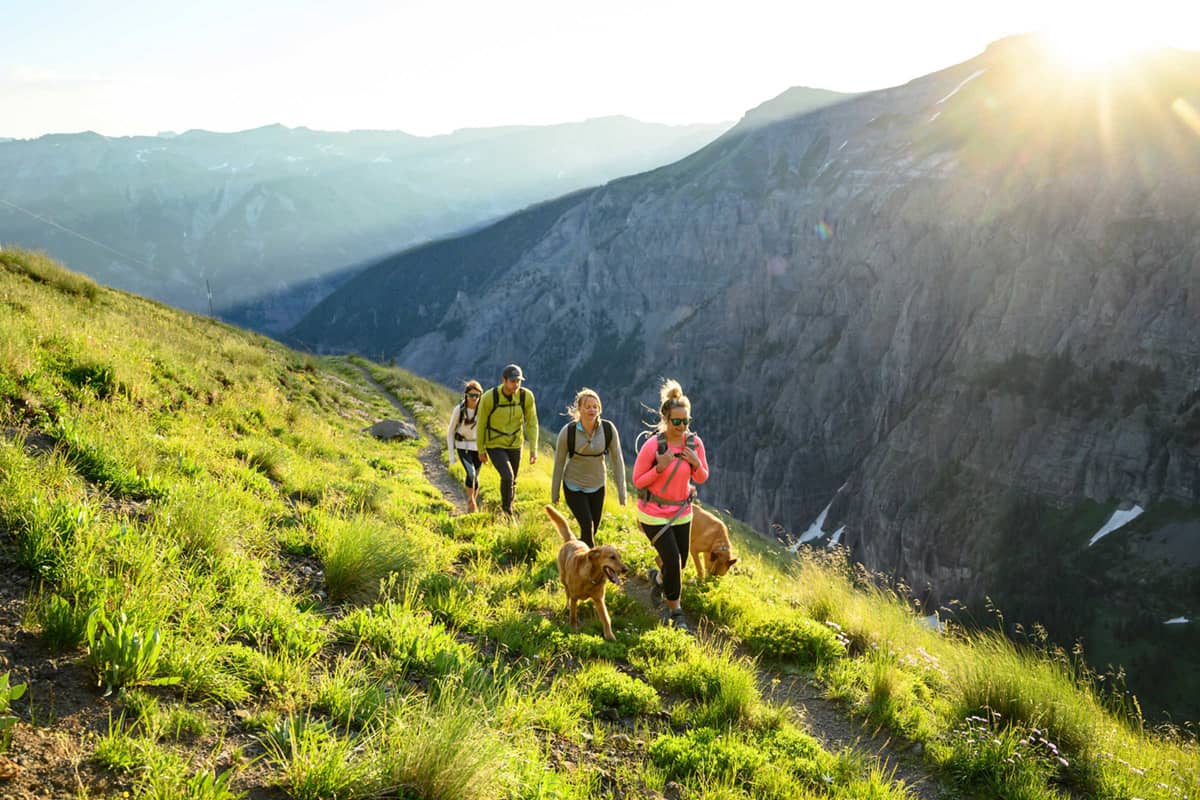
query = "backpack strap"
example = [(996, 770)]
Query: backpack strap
[(609, 432), (688, 441), (649, 496), (496, 404)]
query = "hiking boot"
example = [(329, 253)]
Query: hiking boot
[(655, 586), (676, 619)]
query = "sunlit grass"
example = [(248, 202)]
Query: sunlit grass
[(309, 582)]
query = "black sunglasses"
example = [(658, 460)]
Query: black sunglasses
[(680, 420), (473, 395)]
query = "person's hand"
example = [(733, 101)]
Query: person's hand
[(533, 456), (689, 455), (663, 460), (483, 456)]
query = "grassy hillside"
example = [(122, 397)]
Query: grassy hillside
[(220, 587)]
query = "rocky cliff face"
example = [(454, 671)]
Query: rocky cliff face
[(961, 313)]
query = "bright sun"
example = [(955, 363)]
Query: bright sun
[(1090, 46)]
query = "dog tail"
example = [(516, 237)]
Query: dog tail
[(560, 522)]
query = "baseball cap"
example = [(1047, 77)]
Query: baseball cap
[(512, 372)]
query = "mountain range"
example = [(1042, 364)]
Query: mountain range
[(259, 225), (954, 320)]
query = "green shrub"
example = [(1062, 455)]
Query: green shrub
[(608, 689), (705, 754), (661, 644), (795, 639)]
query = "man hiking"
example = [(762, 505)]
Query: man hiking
[(508, 415)]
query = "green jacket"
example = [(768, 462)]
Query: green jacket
[(500, 423)]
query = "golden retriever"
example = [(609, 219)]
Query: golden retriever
[(709, 538), (585, 572)]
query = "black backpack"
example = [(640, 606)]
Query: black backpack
[(689, 440), (495, 403), (608, 437), (464, 420)]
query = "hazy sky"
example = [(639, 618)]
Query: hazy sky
[(123, 67)]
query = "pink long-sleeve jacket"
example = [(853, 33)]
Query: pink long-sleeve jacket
[(671, 484)]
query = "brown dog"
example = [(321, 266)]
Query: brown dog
[(584, 572), (710, 538)]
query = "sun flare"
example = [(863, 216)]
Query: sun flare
[(1092, 46)]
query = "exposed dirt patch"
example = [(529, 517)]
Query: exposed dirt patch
[(430, 455), (46, 763)]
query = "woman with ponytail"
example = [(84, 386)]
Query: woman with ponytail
[(667, 467)]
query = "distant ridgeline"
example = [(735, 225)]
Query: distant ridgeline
[(258, 226), (958, 315)]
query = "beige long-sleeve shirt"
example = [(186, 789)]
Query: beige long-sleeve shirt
[(586, 469)]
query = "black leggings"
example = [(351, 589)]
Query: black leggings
[(470, 462), (507, 462), (672, 548), (587, 507)]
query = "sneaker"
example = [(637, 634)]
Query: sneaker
[(655, 586), (678, 620)]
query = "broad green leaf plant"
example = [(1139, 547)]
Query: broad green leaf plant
[(123, 656)]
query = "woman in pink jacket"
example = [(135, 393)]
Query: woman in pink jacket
[(667, 466)]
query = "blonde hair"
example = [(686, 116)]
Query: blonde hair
[(671, 396), (573, 409), (469, 385)]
